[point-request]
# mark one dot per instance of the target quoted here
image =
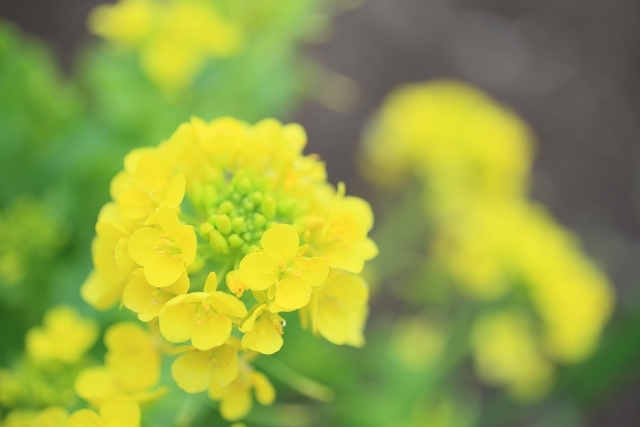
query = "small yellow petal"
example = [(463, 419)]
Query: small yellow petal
[(141, 244), (251, 321), (120, 411), (175, 191), (84, 418), (163, 270), (193, 371), (227, 304), (188, 244), (264, 338), (138, 295), (211, 284), (169, 222), (211, 331), (265, 392), (258, 271), (236, 402), (95, 384), (280, 242), (314, 271), (292, 293), (177, 321)]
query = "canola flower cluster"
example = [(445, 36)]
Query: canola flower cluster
[(211, 238), (173, 37), (546, 301)]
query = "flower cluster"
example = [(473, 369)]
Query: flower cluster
[(174, 37), (229, 205), (473, 158)]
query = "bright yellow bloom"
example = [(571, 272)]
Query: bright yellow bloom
[(64, 336), (281, 265), (118, 411), (175, 38), (147, 300), (505, 353), (235, 398), (165, 250), (262, 331), (195, 370), (338, 310), (203, 317), (132, 366)]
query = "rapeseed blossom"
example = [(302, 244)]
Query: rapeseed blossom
[(174, 37), (472, 157), (223, 203)]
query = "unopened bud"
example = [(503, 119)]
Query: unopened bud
[(268, 207), (243, 186), (218, 242), (223, 224), (225, 207), (235, 241), (204, 230), (237, 224)]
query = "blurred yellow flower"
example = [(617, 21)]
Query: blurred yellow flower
[(118, 411), (195, 370), (174, 38), (65, 336), (54, 416)]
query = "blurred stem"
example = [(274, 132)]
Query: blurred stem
[(295, 380)]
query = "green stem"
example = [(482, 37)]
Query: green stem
[(295, 380)]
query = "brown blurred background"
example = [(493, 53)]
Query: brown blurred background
[(570, 68)]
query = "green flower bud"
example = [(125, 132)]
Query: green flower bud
[(235, 241), (204, 230), (237, 224), (218, 242), (243, 186), (225, 207), (256, 198), (268, 207), (248, 204), (223, 224), (246, 236), (259, 220)]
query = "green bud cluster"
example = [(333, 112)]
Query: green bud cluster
[(238, 215)]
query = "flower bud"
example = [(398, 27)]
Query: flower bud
[(223, 224), (218, 242), (268, 207)]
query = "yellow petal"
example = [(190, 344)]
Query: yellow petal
[(251, 321), (102, 292), (280, 242), (141, 244), (124, 263), (188, 244), (95, 384), (138, 295), (163, 270), (53, 416), (193, 371), (258, 271), (227, 304), (211, 283), (236, 402), (180, 287), (212, 330), (120, 411), (169, 222), (314, 270), (226, 366), (265, 392), (175, 191), (84, 418), (292, 293), (264, 338), (177, 322)]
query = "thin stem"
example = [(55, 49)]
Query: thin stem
[(296, 380)]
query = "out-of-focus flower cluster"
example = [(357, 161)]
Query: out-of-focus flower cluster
[(225, 205), (541, 299)]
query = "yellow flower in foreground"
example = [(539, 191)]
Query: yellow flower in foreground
[(65, 336), (147, 300), (132, 366), (195, 370), (203, 317), (119, 411), (235, 398), (280, 264), (338, 309), (262, 331), (164, 251)]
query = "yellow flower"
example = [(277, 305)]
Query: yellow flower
[(147, 300), (203, 317), (235, 398), (195, 370), (65, 336), (280, 264), (338, 309), (505, 353), (174, 37), (132, 366), (262, 331), (164, 251), (341, 238), (118, 411)]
